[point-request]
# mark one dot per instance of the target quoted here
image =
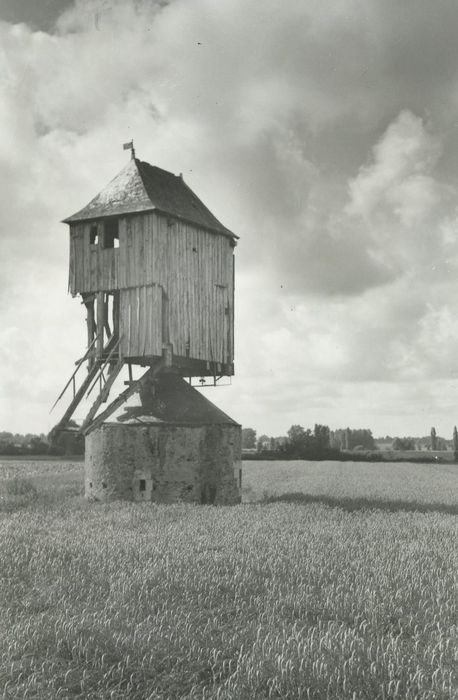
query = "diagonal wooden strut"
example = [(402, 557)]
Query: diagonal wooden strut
[(131, 389), (77, 397), (78, 365), (95, 372), (108, 361), (102, 397)]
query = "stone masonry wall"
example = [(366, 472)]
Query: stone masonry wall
[(164, 463)]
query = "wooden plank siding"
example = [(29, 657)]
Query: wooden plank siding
[(176, 283), (92, 268), (140, 324)]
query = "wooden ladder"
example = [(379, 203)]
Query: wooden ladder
[(95, 374)]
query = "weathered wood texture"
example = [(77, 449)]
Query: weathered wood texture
[(92, 268), (140, 321), (175, 282)]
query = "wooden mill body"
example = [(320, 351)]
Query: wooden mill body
[(155, 270)]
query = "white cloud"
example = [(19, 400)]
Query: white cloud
[(307, 131), (399, 178)]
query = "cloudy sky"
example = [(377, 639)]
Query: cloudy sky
[(324, 133)]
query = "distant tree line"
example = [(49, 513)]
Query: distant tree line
[(429, 442), (344, 443), (405, 443), (68, 442), (348, 439), (301, 441)]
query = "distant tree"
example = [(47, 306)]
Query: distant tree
[(38, 446), (68, 441), (433, 439), (299, 438), (363, 437), (248, 438), (322, 436), (349, 439), (296, 434), (263, 443), (405, 443), (300, 442), (455, 443)]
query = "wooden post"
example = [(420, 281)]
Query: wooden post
[(88, 301), (90, 320), (100, 323), (167, 354), (106, 320), (116, 313)]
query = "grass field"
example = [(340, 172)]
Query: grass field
[(344, 586)]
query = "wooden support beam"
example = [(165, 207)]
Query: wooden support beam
[(77, 398), (112, 346), (103, 396), (90, 322), (116, 313), (78, 365), (148, 376), (100, 322), (106, 322), (167, 354), (88, 301)]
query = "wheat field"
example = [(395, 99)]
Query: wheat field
[(329, 581)]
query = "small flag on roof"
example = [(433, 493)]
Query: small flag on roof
[(130, 145)]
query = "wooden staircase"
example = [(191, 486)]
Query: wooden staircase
[(102, 372)]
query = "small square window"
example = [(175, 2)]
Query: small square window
[(111, 233)]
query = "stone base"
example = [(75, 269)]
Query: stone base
[(164, 463)]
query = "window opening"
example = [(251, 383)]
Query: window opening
[(142, 484), (94, 236), (111, 233)]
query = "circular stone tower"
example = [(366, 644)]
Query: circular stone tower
[(167, 444)]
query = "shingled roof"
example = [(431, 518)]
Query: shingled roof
[(144, 187), (169, 399)]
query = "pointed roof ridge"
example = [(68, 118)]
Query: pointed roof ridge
[(141, 187), (125, 193), (170, 399)]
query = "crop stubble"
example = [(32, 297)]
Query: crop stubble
[(260, 600)]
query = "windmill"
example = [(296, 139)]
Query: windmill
[(155, 271)]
